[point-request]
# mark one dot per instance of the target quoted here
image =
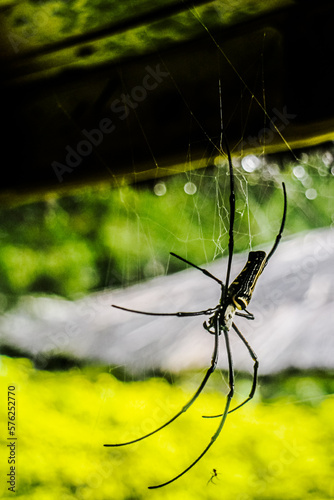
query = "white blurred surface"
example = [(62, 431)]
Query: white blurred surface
[(292, 303)]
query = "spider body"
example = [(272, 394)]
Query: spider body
[(223, 315), (239, 292), (241, 289), (234, 300)]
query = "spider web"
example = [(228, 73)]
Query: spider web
[(198, 228), (204, 211), (259, 201), (189, 214), (208, 191)]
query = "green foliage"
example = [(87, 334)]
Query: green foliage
[(279, 446), (113, 237)]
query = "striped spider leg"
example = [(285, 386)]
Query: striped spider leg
[(234, 299)]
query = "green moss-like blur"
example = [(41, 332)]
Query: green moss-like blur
[(278, 446), (32, 24)]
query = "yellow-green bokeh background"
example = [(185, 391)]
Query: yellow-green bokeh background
[(278, 446)]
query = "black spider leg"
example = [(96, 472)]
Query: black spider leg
[(245, 314), (232, 214), (218, 328), (255, 371), (278, 237), (178, 314), (181, 314), (255, 367), (204, 271), (210, 370)]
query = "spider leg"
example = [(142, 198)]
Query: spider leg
[(204, 271), (246, 314), (255, 370), (210, 370), (278, 237), (224, 415), (178, 314), (232, 214), (255, 367)]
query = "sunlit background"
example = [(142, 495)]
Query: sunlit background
[(86, 374)]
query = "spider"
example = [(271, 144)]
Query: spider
[(213, 475), (234, 299)]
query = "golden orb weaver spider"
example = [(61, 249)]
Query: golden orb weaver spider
[(234, 300)]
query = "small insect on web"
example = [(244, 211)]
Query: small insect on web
[(234, 299)]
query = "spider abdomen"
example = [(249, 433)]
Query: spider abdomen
[(242, 287)]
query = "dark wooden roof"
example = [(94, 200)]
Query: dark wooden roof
[(57, 87)]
